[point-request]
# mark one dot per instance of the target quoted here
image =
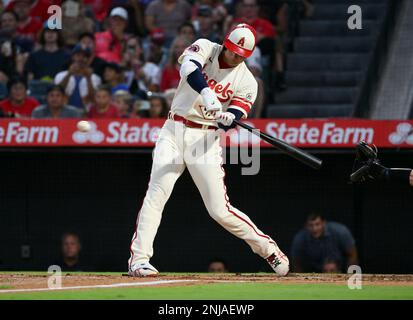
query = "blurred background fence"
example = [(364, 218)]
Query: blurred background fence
[(97, 194)]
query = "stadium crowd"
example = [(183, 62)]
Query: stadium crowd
[(116, 59)]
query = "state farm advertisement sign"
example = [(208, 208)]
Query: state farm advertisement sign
[(61, 133), (306, 133)]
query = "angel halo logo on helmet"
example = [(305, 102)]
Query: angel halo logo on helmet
[(241, 40)]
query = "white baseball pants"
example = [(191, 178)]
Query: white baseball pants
[(179, 147)]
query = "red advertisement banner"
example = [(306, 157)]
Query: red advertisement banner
[(306, 133)]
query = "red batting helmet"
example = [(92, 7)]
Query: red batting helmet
[(241, 40)]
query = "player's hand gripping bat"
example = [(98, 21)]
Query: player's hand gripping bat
[(287, 148)]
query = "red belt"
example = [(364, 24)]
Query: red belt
[(189, 123)]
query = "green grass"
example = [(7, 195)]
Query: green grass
[(4, 287), (218, 291), (214, 291), (44, 273)]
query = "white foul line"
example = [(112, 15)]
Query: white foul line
[(114, 285)]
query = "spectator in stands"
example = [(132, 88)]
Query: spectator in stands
[(266, 34), (18, 104), (71, 248), (264, 28), (8, 31), (219, 10), (114, 77), (50, 59), (170, 74), (255, 65), (330, 266), (269, 43), (249, 13), (276, 11), (141, 75), (14, 47), (28, 25), (167, 15), (75, 22), (156, 51), (206, 26), (110, 43), (187, 30), (158, 108), (103, 107), (217, 266), (123, 102), (38, 8), (98, 9), (136, 23), (8, 61), (87, 40), (321, 242), (79, 81), (55, 106), (140, 109)]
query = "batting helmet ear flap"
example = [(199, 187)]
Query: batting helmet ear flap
[(241, 40)]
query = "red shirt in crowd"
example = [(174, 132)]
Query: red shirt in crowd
[(262, 26), (111, 112), (39, 8), (170, 78), (30, 29), (100, 8), (23, 110), (108, 47)]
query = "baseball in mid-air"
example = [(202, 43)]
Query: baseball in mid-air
[(83, 126)]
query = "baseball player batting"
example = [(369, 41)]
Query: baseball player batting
[(216, 87)]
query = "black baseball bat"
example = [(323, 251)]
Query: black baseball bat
[(287, 148)]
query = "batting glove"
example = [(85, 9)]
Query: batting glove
[(225, 118), (210, 100)]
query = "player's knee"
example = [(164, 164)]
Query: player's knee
[(156, 197)]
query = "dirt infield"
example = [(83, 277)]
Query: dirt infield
[(10, 281)]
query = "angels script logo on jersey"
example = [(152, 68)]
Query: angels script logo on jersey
[(223, 92)]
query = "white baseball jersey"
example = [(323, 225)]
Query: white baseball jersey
[(234, 87), (180, 147)]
